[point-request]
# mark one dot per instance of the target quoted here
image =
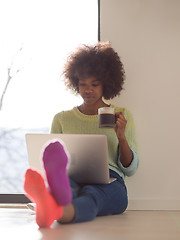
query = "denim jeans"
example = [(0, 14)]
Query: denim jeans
[(99, 200)]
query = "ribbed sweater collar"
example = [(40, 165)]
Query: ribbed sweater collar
[(85, 116)]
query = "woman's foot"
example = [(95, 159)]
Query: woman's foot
[(55, 159), (47, 210)]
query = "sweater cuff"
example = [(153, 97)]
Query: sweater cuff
[(131, 169)]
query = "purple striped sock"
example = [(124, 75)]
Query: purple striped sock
[(55, 161)]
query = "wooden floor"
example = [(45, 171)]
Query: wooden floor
[(19, 223)]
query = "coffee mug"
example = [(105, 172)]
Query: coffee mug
[(106, 117)]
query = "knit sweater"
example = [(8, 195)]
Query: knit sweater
[(75, 122)]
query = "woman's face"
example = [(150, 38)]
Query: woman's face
[(91, 90)]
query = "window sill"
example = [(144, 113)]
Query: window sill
[(13, 199)]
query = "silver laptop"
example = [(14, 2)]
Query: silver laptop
[(88, 155)]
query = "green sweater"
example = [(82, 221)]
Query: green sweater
[(75, 122)]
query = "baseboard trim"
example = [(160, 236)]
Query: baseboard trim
[(154, 205)]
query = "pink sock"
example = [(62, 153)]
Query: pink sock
[(55, 163), (47, 210)]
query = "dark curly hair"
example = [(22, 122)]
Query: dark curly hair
[(99, 61)]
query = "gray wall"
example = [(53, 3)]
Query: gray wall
[(146, 34)]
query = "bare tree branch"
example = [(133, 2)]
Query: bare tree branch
[(9, 77), (5, 89)]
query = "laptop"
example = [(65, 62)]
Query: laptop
[(88, 155)]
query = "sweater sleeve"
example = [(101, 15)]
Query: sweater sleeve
[(56, 126), (130, 134), (130, 170)]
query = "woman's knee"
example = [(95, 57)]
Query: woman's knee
[(85, 209)]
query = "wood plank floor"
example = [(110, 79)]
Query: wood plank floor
[(19, 223)]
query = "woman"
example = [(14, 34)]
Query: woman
[(96, 73)]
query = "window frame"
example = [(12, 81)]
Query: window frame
[(20, 198)]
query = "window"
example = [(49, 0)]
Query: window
[(36, 38)]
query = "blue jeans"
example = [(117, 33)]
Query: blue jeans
[(99, 200)]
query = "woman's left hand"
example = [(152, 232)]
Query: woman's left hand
[(120, 125)]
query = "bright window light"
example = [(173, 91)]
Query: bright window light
[(36, 38)]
